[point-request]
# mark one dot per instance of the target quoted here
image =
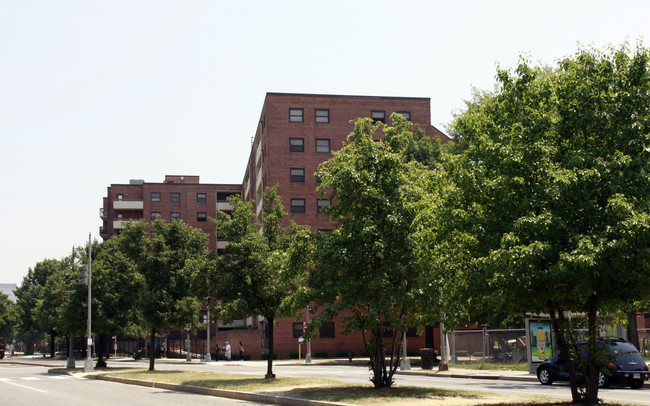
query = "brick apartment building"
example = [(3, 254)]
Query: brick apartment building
[(178, 197), (295, 133)]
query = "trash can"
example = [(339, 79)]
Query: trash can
[(426, 358)]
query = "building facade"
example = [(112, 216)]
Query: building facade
[(295, 134), (178, 197)]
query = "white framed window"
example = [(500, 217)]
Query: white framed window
[(297, 144), (322, 203), (120, 196), (201, 198), (405, 114), (175, 215), (297, 205), (155, 215), (322, 116), (201, 216), (296, 115), (378, 115), (297, 174), (155, 196), (323, 145), (175, 197)]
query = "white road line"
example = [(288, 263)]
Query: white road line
[(30, 378), (23, 386)]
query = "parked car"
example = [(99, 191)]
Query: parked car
[(2, 351), (620, 363)]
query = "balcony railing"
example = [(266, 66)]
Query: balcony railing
[(128, 205)]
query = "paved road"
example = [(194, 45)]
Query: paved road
[(33, 385), (360, 374)]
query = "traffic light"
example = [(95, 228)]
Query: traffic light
[(83, 275), (208, 305)]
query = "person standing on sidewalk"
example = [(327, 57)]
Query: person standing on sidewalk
[(241, 351), (228, 351)]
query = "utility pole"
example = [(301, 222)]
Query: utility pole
[(88, 363), (70, 363)]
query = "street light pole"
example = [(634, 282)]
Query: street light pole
[(70, 364), (88, 363)]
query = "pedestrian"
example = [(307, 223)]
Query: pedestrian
[(216, 352), (228, 351), (241, 351)]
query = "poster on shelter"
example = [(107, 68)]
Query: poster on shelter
[(541, 344)]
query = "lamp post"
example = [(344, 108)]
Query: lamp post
[(308, 356), (88, 363), (188, 327)]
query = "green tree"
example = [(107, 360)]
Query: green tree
[(116, 285), (28, 295), (168, 264), (367, 269), (9, 318), (255, 274), (550, 200)]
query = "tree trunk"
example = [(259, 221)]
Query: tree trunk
[(101, 346), (591, 395), (559, 327), (632, 332), (52, 346), (269, 363), (152, 343)]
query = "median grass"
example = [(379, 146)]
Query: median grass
[(322, 389)]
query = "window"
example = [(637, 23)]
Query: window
[(201, 197), (120, 196), (323, 145), (175, 215), (327, 330), (322, 116), (175, 197), (155, 196), (405, 114), (119, 216), (297, 144), (318, 179), (295, 115), (297, 174), (201, 216), (323, 232), (297, 330), (297, 205), (155, 214), (378, 116), (322, 203)]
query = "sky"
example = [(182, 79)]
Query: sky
[(100, 92)]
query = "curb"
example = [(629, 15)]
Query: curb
[(222, 393)]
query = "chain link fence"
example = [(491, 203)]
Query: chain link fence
[(498, 346)]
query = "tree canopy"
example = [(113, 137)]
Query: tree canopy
[(550, 200), (256, 275), (367, 269)]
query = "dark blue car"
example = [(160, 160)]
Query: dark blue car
[(620, 362)]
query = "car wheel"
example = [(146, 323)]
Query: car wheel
[(603, 382), (544, 376), (636, 383)]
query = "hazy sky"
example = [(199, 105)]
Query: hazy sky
[(100, 92)]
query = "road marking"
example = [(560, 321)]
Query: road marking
[(30, 378), (23, 386)]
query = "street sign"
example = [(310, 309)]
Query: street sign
[(301, 340)]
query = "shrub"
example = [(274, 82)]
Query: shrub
[(321, 354), (477, 354), (293, 354), (344, 354), (266, 356), (461, 353)]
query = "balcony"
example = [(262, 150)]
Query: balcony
[(102, 215), (128, 205), (224, 206), (119, 224), (102, 232)]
